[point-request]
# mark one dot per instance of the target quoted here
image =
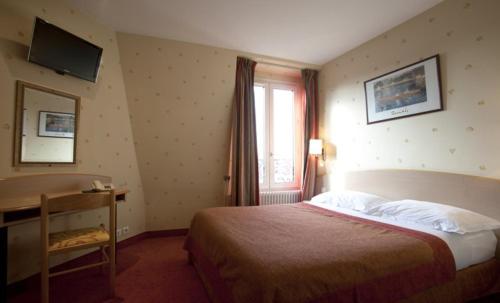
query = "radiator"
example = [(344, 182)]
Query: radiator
[(280, 197)]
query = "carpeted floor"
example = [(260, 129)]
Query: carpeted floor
[(152, 270)]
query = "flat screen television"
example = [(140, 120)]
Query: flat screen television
[(64, 52)]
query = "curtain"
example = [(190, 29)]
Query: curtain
[(310, 79), (243, 162)]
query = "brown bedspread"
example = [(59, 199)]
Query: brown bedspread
[(302, 253)]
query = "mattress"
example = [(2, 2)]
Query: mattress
[(468, 249)]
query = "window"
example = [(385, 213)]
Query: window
[(279, 139)]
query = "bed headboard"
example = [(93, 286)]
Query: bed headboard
[(478, 194)]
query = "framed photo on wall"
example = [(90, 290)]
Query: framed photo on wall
[(56, 125), (411, 90)]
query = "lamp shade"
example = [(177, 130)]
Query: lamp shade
[(315, 147)]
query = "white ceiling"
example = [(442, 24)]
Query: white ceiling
[(313, 31)]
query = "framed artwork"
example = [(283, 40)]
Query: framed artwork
[(56, 125), (411, 90)]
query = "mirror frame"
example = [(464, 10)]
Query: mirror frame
[(21, 85)]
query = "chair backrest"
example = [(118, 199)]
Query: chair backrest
[(76, 201)]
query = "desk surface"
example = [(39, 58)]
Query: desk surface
[(33, 202)]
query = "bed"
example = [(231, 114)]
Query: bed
[(307, 253)]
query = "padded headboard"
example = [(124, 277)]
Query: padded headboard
[(478, 194)]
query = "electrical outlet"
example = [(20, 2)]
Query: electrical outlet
[(125, 229), (119, 232)]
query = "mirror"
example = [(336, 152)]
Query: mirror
[(46, 126)]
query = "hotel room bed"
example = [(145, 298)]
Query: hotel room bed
[(307, 253)]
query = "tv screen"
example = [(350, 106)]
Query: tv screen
[(64, 52)]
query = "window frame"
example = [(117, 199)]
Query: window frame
[(269, 184)]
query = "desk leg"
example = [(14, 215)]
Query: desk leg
[(3, 264), (116, 238)]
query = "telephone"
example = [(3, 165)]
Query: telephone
[(98, 186)]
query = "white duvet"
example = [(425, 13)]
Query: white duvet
[(467, 249)]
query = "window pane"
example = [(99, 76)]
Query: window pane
[(283, 136), (260, 120)]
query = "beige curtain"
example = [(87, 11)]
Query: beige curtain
[(310, 79), (243, 163)]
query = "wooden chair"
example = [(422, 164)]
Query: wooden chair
[(65, 241)]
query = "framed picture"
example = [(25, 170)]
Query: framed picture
[(411, 90), (56, 125)]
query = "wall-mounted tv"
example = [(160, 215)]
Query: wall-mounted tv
[(64, 52)]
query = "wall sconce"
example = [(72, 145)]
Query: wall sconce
[(316, 148)]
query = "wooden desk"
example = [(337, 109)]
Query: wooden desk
[(24, 209), (20, 203)]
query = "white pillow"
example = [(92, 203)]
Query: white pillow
[(322, 198), (438, 216), (349, 199)]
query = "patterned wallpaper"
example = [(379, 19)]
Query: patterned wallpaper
[(461, 139), (106, 141), (179, 95)]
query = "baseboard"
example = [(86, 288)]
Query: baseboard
[(20, 286), (167, 233), (132, 240)]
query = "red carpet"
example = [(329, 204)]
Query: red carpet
[(149, 271), (152, 270)]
